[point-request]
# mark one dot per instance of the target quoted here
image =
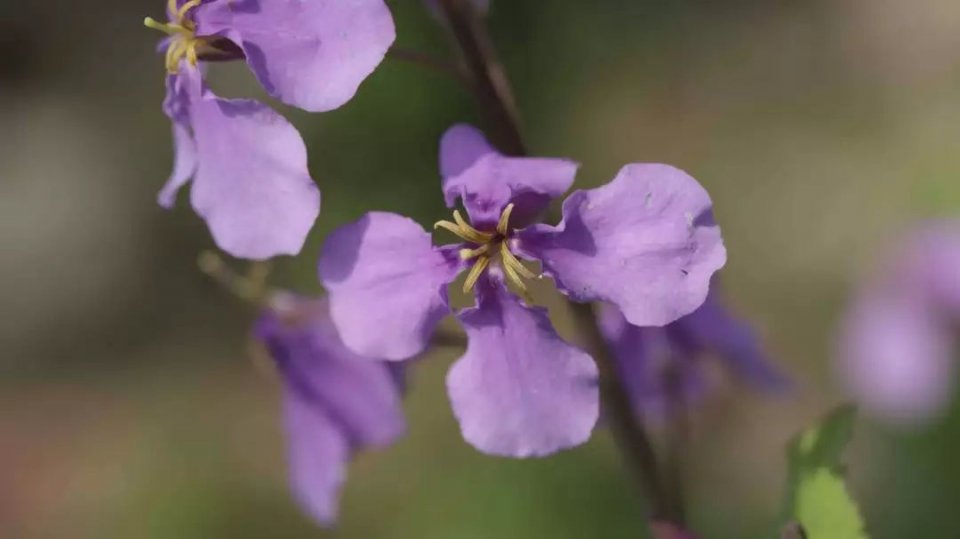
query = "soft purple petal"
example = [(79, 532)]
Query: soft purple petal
[(184, 165), (335, 403), (713, 330), (317, 457), (656, 373), (252, 184), (387, 284), (460, 147), (645, 242), (176, 105), (361, 396), (519, 390), (310, 54), (487, 181), (929, 263), (896, 358)]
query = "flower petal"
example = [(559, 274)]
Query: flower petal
[(176, 105), (711, 329), (317, 457), (387, 284), (645, 242), (896, 358), (252, 184), (655, 372), (460, 147), (519, 390), (487, 181), (312, 55), (334, 402), (361, 396)]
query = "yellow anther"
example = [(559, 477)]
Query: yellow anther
[(185, 8), (511, 261), (517, 282), (468, 228), (463, 230), (183, 41), (504, 224), (467, 254), (475, 272)]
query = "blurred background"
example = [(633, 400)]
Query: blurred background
[(130, 408)]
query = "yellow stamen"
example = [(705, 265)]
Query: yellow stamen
[(185, 8), (463, 230), (462, 223), (183, 41), (511, 261), (502, 226), (467, 254), (475, 272), (517, 282)]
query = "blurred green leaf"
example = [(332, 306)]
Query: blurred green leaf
[(817, 496)]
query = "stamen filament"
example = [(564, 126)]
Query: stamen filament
[(467, 234), (503, 225), (475, 272), (469, 228), (517, 282), (467, 254), (185, 8), (153, 24), (511, 261)]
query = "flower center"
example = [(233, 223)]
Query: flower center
[(489, 245), (184, 42)]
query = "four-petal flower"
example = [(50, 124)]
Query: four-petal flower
[(645, 242)]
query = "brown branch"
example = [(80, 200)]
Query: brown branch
[(432, 63)]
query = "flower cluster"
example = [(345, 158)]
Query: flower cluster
[(644, 245), (896, 350), (645, 242), (248, 164)]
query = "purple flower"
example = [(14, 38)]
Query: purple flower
[(897, 340), (334, 403), (645, 242), (248, 164), (660, 365)]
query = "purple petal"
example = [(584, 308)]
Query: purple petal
[(929, 262), (176, 105), (519, 390), (312, 55), (487, 181), (896, 358), (711, 329), (361, 396), (460, 147), (335, 403), (645, 242), (655, 372), (317, 456), (387, 284), (252, 184), (184, 166)]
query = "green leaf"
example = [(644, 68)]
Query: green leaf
[(817, 495)]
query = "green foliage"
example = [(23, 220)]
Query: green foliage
[(817, 496)]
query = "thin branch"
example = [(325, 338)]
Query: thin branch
[(432, 63)]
